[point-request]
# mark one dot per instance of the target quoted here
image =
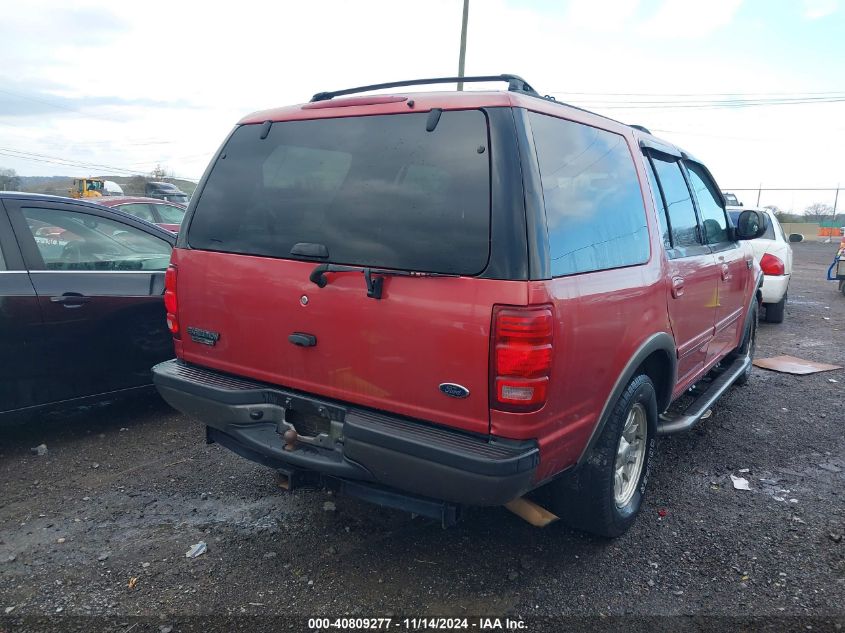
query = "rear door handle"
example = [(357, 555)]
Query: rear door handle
[(71, 299), (726, 272), (302, 339), (677, 286)]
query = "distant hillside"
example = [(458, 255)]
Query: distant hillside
[(131, 185)]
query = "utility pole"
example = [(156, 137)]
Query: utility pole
[(463, 54)]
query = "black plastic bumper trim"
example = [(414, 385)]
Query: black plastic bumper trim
[(405, 454)]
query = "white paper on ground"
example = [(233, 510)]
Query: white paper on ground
[(740, 483)]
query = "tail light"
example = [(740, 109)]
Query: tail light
[(771, 265), (521, 358), (171, 303)]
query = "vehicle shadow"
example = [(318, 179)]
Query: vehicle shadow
[(70, 424)]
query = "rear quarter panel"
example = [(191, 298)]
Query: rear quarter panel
[(602, 319)]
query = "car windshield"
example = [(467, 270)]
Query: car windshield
[(374, 191), (162, 186)]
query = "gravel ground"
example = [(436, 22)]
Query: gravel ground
[(99, 526)]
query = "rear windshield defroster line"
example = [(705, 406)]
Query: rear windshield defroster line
[(377, 191)]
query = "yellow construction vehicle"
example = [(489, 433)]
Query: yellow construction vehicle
[(87, 188)]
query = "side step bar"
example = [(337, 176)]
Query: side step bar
[(706, 399)]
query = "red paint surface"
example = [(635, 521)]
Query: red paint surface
[(392, 354)]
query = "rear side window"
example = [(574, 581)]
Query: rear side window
[(170, 214), (712, 214), (375, 191), (139, 210), (594, 205), (775, 221), (682, 216)]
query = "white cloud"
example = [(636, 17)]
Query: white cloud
[(205, 67), (610, 15), (683, 19), (815, 9)]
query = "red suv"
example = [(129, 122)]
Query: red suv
[(453, 298)]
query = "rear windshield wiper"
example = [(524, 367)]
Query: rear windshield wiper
[(373, 276)]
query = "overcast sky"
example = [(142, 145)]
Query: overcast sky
[(94, 87)]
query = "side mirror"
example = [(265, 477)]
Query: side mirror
[(751, 224), (796, 237)]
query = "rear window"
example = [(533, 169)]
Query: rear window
[(375, 191)]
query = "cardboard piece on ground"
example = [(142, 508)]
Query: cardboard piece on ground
[(536, 515), (792, 365)]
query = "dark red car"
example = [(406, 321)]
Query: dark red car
[(452, 298), (168, 215)]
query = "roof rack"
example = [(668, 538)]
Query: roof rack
[(641, 128), (515, 84)]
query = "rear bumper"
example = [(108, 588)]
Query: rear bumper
[(347, 442), (774, 288)]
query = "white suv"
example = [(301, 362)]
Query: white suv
[(774, 254)]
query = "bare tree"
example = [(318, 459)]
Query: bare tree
[(785, 216), (159, 173), (9, 180), (818, 212)]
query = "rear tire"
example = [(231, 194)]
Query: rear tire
[(604, 495), (775, 311), (748, 345)]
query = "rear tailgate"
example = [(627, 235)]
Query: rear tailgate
[(407, 192), (390, 354)]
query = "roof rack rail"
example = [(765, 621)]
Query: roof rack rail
[(515, 84), (641, 128)]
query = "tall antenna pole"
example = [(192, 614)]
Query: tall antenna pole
[(463, 54)]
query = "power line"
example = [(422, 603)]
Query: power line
[(184, 157), (83, 114), (717, 101), (698, 105), (70, 160), (706, 135), (121, 143), (32, 156), (120, 172), (60, 106), (699, 94), (59, 160), (782, 188)]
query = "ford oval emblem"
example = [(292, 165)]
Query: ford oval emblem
[(454, 391)]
